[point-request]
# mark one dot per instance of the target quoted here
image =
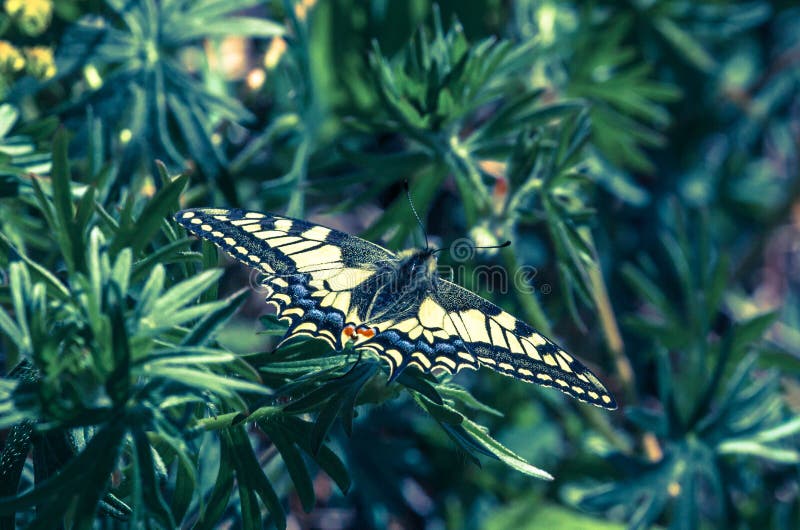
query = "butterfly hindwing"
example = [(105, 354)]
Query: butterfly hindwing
[(425, 338)]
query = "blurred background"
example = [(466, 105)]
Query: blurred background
[(642, 157)]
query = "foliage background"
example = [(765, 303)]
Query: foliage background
[(642, 156)]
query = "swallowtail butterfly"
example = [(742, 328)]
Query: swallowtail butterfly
[(336, 287)]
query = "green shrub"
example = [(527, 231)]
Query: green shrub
[(642, 159)]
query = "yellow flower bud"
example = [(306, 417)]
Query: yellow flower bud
[(255, 78), (277, 47), (31, 16), (483, 236), (11, 59), (148, 187), (40, 64), (302, 8)]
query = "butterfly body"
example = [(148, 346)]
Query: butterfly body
[(339, 288), (399, 286)]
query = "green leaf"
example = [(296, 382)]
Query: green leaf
[(324, 421), (299, 431), (195, 132), (138, 234), (181, 294), (202, 332), (788, 428), (303, 366), (40, 273), (187, 355), (8, 117), (227, 26), (85, 476), (316, 397), (649, 291), (530, 512), (185, 475), (361, 376), (62, 192), (12, 331), (146, 265), (753, 448), (218, 384), (120, 273), (442, 413), (685, 44), (752, 329), (248, 507), (151, 490), (420, 385), (249, 472), (220, 496), (20, 283), (503, 453), (294, 462), (463, 396), (210, 9)]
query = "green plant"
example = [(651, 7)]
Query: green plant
[(571, 129), (717, 410), (119, 364), (131, 60)]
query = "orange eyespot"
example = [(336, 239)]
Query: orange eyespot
[(367, 333), (350, 331)]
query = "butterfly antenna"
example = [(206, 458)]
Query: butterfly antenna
[(504, 245), (411, 202)]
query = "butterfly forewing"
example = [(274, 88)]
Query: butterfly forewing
[(312, 271), (337, 287), (504, 343)]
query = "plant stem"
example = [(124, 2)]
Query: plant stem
[(279, 125), (223, 421), (297, 203), (530, 304), (608, 321), (599, 420), (468, 179), (215, 423)]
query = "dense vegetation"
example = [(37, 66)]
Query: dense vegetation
[(641, 156)]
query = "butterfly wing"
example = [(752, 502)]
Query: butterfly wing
[(424, 337), (312, 271), (502, 342), (452, 328)]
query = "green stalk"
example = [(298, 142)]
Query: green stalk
[(223, 421), (297, 202), (608, 322), (279, 125), (530, 304)]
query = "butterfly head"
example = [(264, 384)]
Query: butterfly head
[(417, 265)]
